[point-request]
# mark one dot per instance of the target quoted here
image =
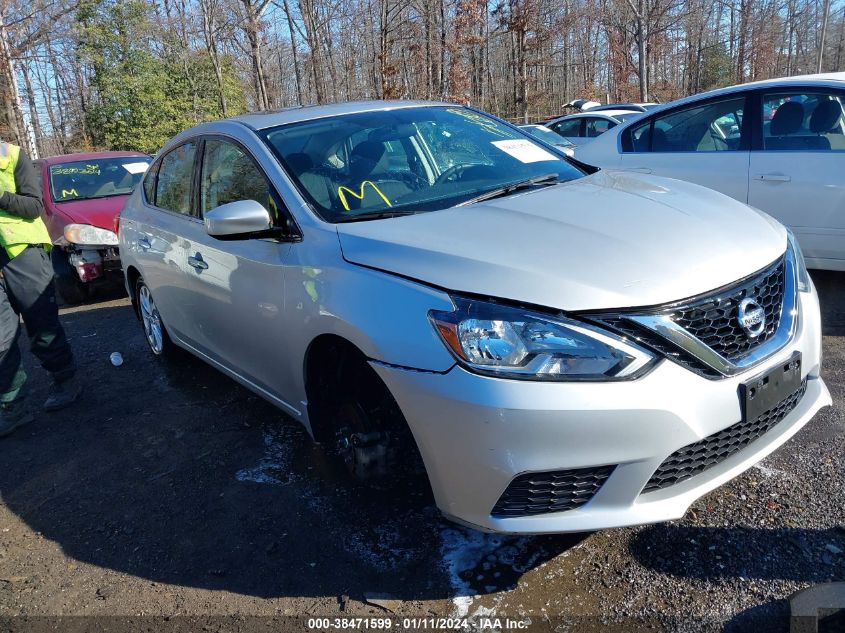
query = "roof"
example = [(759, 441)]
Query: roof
[(798, 79), (263, 120), (821, 79), (69, 158), (601, 113), (617, 106)]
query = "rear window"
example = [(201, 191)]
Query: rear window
[(96, 178)]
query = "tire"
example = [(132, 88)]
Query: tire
[(72, 290), (365, 432), (155, 333)]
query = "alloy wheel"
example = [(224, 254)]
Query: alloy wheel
[(151, 320)]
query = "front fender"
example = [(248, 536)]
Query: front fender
[(383, 315)]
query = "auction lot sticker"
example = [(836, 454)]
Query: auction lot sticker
[(524, 150)]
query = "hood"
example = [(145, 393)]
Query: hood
[(610, 240), (100, 212)]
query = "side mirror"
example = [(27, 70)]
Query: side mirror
[(243, 219)]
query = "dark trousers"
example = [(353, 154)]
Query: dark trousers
[(26, 289)]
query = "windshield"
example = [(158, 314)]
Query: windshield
[(407, 160), (96, 178), (545, 134)]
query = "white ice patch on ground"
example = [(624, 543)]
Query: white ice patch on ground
[(382, 549), (275, 465), (466, 552), (380, 546), (768, 472)]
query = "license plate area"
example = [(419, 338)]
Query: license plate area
[(765, 391)]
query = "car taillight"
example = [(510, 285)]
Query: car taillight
[(88, 264)]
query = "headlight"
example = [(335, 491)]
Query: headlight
[(88, 235), (498, 340), (802, 277)]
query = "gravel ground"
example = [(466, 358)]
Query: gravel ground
[(174, 492)]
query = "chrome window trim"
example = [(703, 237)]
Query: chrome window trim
[(664, 326)]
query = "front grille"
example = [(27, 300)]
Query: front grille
[(540, 493), (648, 338), (713, 320), (714, 449)]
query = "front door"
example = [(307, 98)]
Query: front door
[(237, 286)]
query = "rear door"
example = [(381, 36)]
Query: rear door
[(705, 143), (797, 173), (158, 236)]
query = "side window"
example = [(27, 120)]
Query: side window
[(150, 183), (173, 185), (230, 175), (800, 120), (638, 138), (711, 127), (597, 127), (572, 127)]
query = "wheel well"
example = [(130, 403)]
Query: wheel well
[(132, 276), (328, 361)]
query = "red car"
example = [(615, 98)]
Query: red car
[(83, 196)]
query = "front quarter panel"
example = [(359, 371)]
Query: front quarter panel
[(383, 315)]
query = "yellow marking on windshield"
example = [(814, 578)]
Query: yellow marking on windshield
[(69, 192), (67, 171), (342, 191)]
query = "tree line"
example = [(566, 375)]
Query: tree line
[(128, 74)]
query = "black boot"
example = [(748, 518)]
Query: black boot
[(12, 416), (63, 394)]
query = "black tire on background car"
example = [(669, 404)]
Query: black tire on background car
[(72, 291), (155, 333), (70, 288), (361, 425)]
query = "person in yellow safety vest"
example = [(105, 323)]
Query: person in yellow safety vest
[(26, 290)]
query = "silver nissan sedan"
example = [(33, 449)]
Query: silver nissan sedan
[(425, 286)]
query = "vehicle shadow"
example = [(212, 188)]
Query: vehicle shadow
[(109, 289), (742, 552), (771, 617), (714, 554), (831, 288), (176, 474)]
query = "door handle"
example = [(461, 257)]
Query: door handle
[(639, 170), (144, 244), (774, 177), (197, 262)]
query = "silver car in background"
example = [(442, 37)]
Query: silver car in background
[(419, 283), (542, 133), (580, 129)]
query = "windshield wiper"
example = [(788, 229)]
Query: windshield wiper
[(507, 190), (375, 215)]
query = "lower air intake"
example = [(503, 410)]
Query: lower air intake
[(556, 491), (696, 458)]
